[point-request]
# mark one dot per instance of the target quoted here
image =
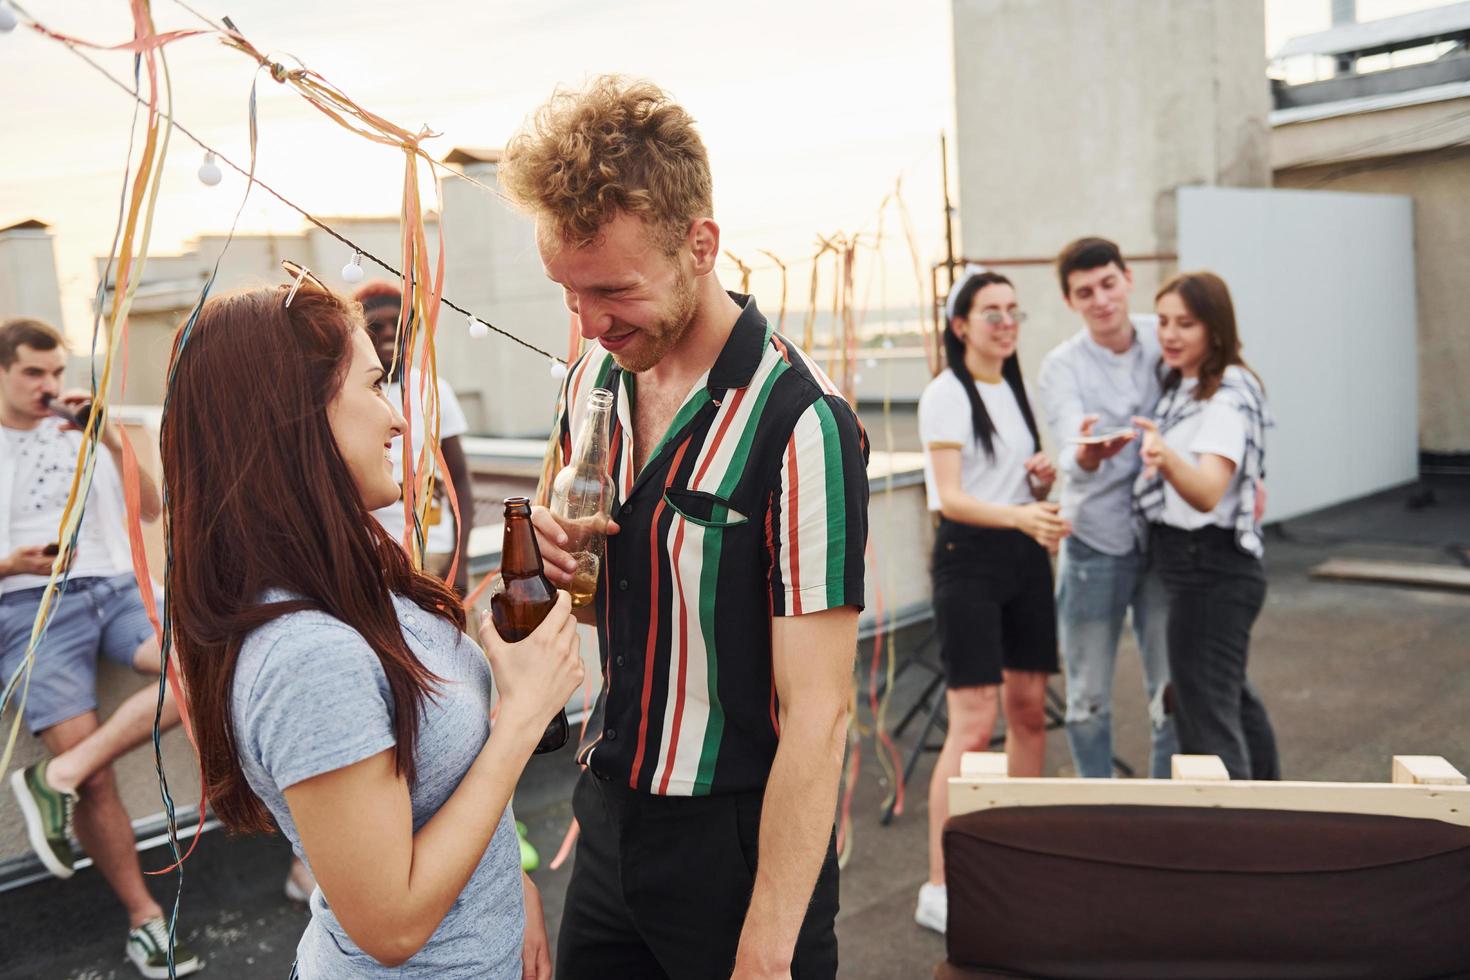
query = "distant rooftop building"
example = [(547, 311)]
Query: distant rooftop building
[(470, 155), (30, 224), (491, 268), (1409, 59), (1394, 118), (28, 284)]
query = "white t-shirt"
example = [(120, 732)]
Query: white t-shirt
[(1218, 429), (439, 538), (45, 461), (945, 423)]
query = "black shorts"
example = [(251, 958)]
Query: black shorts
[(994, 607)]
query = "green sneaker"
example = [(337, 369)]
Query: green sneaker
[(530, 860), (148, 949), (48, 818)]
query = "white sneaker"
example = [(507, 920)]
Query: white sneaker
[(933, 908), (299, 882)]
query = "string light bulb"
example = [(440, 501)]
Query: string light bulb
[(352, 271), (7, 18), (558, 369), (209, 171), (478, 329)]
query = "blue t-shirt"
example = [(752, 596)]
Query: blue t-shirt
[(309, 697)]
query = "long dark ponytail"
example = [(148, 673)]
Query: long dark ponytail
[(1010, 369)]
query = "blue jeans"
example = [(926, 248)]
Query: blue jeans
[(94, 617), (1094, 591)]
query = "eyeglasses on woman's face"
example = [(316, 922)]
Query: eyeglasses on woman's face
[(996, 318)]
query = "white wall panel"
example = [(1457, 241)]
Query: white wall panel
[(1323, 284)]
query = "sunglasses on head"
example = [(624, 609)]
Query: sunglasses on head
[(300, 275)]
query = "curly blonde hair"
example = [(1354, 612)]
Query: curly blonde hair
[(618, 146)]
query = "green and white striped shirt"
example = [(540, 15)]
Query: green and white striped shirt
[(753, 505)]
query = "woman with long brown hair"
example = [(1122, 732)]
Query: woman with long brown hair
[(1204, 453), (331, 687)]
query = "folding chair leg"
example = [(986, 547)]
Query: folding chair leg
[(914, 660), (930, 692), (921, 745)]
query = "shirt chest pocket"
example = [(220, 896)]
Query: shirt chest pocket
[(707, 509)]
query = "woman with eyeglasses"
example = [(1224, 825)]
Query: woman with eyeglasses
[(333, 691), (995, 615), (1204, 452)]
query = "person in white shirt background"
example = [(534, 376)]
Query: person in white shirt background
[(99, 613), (1204, 456), (987, 482), (381, 303)]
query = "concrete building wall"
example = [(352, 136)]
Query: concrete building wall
[(1078, 117), (1074, 116), (494, 269), (170, 286), (1348, 151), (28, 284)]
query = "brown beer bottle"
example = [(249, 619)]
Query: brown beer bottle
[(522, 596)]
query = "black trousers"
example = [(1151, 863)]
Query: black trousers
[(1215, 594), (661, 884)]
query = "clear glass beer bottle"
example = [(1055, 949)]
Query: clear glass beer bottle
[(581, 496)]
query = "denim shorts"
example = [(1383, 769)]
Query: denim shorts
[(95, 617), (993, 604)]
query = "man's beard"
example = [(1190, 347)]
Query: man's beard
[(656, 341)]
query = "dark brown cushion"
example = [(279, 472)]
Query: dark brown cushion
[(1194, 892)]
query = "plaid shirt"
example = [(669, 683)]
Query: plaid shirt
[(753, 505), (1243, 391)]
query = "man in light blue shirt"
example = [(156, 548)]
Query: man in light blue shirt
[(1090, 387)]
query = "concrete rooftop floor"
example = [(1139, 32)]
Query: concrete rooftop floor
[(1352, 674)]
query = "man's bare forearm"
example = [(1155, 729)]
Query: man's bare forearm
[(796, 825), (150, 503)]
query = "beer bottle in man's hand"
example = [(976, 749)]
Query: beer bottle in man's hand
[(522, 596), (581, 495)]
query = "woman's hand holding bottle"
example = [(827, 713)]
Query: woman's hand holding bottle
[(538, 675)]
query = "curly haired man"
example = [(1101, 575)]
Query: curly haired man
[(727, 606)]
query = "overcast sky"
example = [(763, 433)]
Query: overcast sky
[(810, 110)]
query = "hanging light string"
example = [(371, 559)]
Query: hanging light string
[(227, 28), (221, 157), (776, 265)]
